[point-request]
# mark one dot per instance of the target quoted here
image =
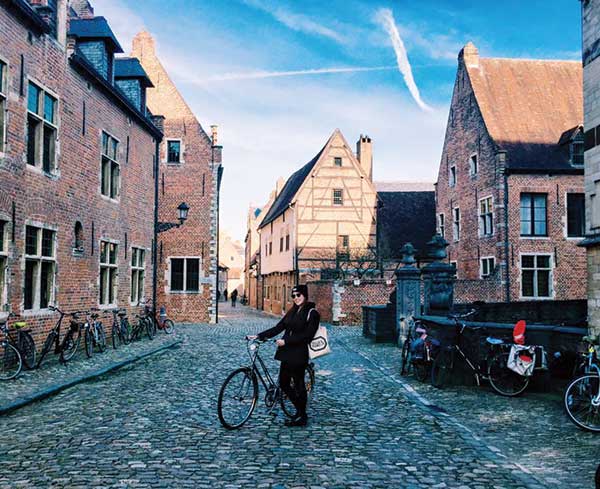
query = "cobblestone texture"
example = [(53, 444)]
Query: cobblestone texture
[(154, 424)]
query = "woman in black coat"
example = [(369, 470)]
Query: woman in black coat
[(298, 326)]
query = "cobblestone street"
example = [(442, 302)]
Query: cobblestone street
[(154, 424)]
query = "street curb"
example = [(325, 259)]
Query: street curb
[(56, 388)]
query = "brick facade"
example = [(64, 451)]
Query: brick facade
[(67, 200)]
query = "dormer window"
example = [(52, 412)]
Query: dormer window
[(576, 150), (573, 141)]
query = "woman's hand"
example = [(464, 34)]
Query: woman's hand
[(280, 343)]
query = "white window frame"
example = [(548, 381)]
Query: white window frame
[(174, 140), (137, 275), (112, 268), (482, 261), (39, 260), (4, 274), (111, 161), (474, 164), (42, 123), (550, 277), (185, 260), (483, 215), (452, 176), (4, 81), (456, 224), (441, 225)]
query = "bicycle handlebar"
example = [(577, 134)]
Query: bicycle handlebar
[(462, 316)]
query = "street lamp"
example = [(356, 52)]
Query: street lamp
[(182, 210)]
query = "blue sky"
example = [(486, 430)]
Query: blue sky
[(279, 76)]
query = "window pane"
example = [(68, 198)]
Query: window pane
[(337, 161), (142, 258), (2, 280), (47, 242), (193, 275), (540, 228), (33, 98), (31, 240), (527, 283), (543, 285), (47, 281), (105, 143), (134, 257), (543, 261), (176, 274), (140, 285), (49, 149), (575, 215), (173, 150), (114, 181), (112, 254), (112, 286), (2, 75), (2, 123), (30, 283), (103, 283), (49, 108), (105, 183), (103, 252), (112, 148), (527, 261), (134, 284), (32, 134), (2, 236)]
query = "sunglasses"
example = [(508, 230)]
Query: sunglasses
[(294, 295)]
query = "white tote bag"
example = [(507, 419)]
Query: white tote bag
[(319, 345)]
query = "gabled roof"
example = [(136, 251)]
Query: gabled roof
[(131, 68), (405, 217), (94, 28), (527, 105)]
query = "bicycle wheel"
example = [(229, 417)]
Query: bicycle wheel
[(309, 379), (89, 342), (502, 379), (27, 349), (153, 325), (237, 398), (441, 370), (309, 382), (101, 337), (406, 358), (149, 327), (580, 403), (126, 332), (422, 370), (116, 336), (69, 346), (47, 346), (168, 326), (10, 361)]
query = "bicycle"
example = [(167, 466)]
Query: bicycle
[(121, 329), (582, 397), (143, 324), (67, 348), (502, 379), (24, 344), (94, 334), (421, 364), (239, 392), (163, 322)]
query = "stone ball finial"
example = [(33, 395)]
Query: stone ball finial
[(437, 247), (408, 254)]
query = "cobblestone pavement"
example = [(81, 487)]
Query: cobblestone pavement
[(154, 424)]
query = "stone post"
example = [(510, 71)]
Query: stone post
[(408, 291), (438, 279)]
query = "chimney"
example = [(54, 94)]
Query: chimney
[(364, 153), (214, 133), (143, 45), (82, 8), (469, 55)]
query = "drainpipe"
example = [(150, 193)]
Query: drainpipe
[(155, 242), (219, 178), (502, 160)]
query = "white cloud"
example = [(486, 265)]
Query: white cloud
[(386, 19)]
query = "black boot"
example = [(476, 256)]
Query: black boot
[(301, 420)]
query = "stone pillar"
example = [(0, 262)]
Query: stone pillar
[(438, 279), (408, 291)]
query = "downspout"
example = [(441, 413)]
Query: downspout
[(155, 240), (219, 177), (502, 160)]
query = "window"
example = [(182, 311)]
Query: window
[(3, 95), (185, 274), (575, 215), (337, 161), (441, 225), (287, 242), (174, 151), (110, 178), (40, 264), (473, 165), (78, 237), (270, 247), (338, 196), (487, 266), (486, 217), (456, 223), (452, 177), (266, 249), (3, 264), (343, 247), (41, 129), (108, 273), (280, 244), (533, 215), (576, 149), (455, 265), (138, 274), (536, 276)]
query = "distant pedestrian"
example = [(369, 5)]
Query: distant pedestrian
[(234, 295), (225, 294)]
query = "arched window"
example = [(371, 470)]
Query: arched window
[(78, 237)]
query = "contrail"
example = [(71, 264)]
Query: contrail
[(386, 19), (254, 75)]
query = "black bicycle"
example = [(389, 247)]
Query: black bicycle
[(239, 394), (121, 329), (24, 345), (143, 325), (94, 334), (420, 360), (68, 346), (494, 368)]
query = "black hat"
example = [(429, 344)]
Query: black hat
[(301, 289)]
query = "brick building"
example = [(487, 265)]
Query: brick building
[(509, 194), (190, 169), (77, 169)]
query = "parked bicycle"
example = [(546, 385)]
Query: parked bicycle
[(160, 321), (493, 368), (418, 350), (68, 346), (582, 397), (141, 326), (121, 329), (94, 334), (239, 394), (18, 352)]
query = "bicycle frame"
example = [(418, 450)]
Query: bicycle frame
[(253, 348)]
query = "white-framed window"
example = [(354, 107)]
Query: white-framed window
[(486, 216), (3, 264), (42, 128), (138, 274), (185, 274), (109, 272), (337, 161), (534, 217), (455, 263), (456, 223), (473, 165), (575, 215), (281, 244), (110, 171), (3, 109), (536, 276), (40, 267), (442, 225), (486, 266), (452, 176), (174, 151), (338, 196)]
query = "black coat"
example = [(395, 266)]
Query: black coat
[(300, 326)]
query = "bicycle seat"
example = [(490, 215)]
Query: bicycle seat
[(20, 324), (494, 341)]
